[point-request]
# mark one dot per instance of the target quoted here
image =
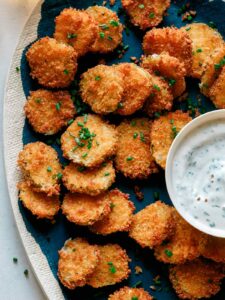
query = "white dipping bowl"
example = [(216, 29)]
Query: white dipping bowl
[(186, 133)]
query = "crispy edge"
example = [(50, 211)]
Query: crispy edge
[(127, 293), (217, 90)]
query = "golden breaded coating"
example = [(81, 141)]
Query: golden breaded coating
[(172, 40), (163, 131), (127, 293), (217, 90), (41, 168), (41, 206), (204, 42), (211, 69), (214, 249), (196, 279), (152, 225), (168, 68), (83, 209), (109, 29), (52, 63), (160, 99), (185, 243), (77, 260), (48, 111), (89, 181), (133, 156), (76, 28), (112, 267), (137, 87), (89, 141), (102, 88), (120, 217), (145, 13)]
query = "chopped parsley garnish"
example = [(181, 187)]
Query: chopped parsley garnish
[(157, 114), (189, 18), (104, 26), (102, 35), (129, 158), (97, 78), (156, 195), (38, 100), (26, 273), (174, 131), (172, 121), (17, 69), (151, 15), (109, 38), (142, 137), (66, 72), (171, 82), (58, 105), (112, 268), (84, 155), (81, 168), (79, 143), (133, 123), (15, 260), (141, 6), (71, 35), (70, 121), (107, 174), (114, 23), (134, 298), (168, 253), (135, 135), (80, 124), (220, 64), (112, 205), (156, 87), (199, 50), (212, 24), (138, 283), (49, 169), (120, 105), (125, 47), (85, 118), (188, 28), (59, 176)]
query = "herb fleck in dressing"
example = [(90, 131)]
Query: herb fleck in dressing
[(199, 174)]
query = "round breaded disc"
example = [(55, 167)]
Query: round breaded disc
[(110, 29), (89, 181), (42, 206), (112, 266), (196, 279), (89, 141), (152, 225), (127, 293), (48, 111), (77, 260), (185, 243), (102, 88), (214, 249), (120, 217), (137, 84), (52, 63), (41, 168), (204, 42), (217, 90), (172, 40), (163, 131), (76, 28), (145, 13), (83, 209), (133, 156)]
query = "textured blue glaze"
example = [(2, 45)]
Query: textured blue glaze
[(51, 237)]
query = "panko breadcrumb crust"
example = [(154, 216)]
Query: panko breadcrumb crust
[(49, 111), (77, 260), (120, 216), (127, 293), (196, 279), (110, 29), (39, 204), (214, 249), (152, 225), (217, 90), (112, 267), (40, 166), (91, 145), (52, 63), (89, 181), (76, 28), (102, 88), (84, 209), (172, 40)]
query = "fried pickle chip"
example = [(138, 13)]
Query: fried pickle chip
[(77, 260), (185, 243), (48, 111), (41, 206), (217, 90), (133, 156), (120, 217), (169, 68), (76, 28), (152, 225), (83, 209), (196, 279), (52, 63), (109, 29), (41, 168), (127, 293), (102, 88), (89, 141), (160, 99), (163, 132), (89, 181), (211, 69), (137, 87), (204, 41), (112, 267), (172, 40), (145, 13), (214, 249)]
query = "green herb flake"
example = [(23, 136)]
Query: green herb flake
[(156, 87), (70, 121), (102, 35), (120, 105), (107, 174), (135, 135), (133, 123), (114, 23), (171, 82), (212, 24), (37, 100), (112, 205), (104, 26), (97, 78), (157, 114), (58, 106), (71, 35), (199, 50), (138, 283), (26, 273), (134, 298), (112, 268), (129, 158), (126, 47), (15, 260), (84, 155), (188, 28), (81, 168), (59, 176), (109, 38), (66, 72), (168, 253), (49, 169), (141, 6), (85, 118), (174, 131), (189, 18), (156, 196), (17, 69), (151, 15), (142, 137)]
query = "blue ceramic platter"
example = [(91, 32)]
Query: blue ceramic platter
[(51, 237)]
